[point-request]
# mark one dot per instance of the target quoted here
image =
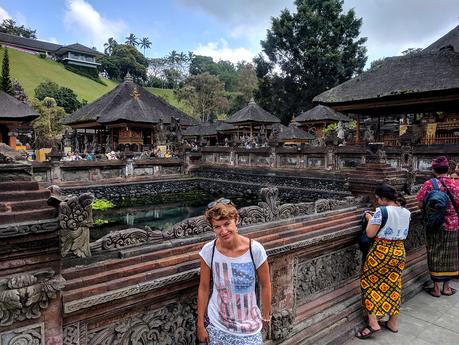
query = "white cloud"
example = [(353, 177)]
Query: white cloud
[(4, 14), (93, 29), (221, 51), (51, 40)]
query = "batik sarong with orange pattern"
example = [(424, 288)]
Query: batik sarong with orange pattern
[(381, 278)]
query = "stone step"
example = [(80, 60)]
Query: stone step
[(18, 186), (135, 272), (25, 195), (27, 216), (23, 205)]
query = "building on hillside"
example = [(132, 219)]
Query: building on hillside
[(422, 89), (13, 113), (73, 54), (128, 117)]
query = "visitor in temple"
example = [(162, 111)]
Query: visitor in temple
[(230, 265), (441, 226), (381, 276)]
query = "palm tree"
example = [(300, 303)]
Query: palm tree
[(131, 40), (145, 44), (109, 46)]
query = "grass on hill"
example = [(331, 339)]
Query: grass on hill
[(32, 70), (169, 97)]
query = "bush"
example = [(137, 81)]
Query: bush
[(64, 96), (91, 73), (42, 55), (102, 204)]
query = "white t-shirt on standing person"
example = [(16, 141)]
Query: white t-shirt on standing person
[(233, 306), (397, 224)]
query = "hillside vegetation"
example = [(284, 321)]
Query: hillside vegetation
[(169, 96), (31, 70)]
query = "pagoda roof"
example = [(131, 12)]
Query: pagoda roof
[(292, 133), (252, 113), (321, 113), (398, 79), (207, 128), (12, 109), (129, 102), (450, 39)]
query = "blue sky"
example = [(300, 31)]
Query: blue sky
[(223, 29)]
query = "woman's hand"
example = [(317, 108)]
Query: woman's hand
[(368, 215), (203, 336)]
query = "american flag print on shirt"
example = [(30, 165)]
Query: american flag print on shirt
[(236, 300)]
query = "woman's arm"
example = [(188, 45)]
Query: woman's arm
[(203, 300), (372, 229), (265, 284)]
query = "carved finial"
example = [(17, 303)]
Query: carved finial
[(135, 93), (252, 101), (128, 78), (293, 121)]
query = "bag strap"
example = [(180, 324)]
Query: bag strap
[(251, 255), (435, 184), (384, 216), (212, 257), (451, 198)]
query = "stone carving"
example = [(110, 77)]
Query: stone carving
[(75, 219), (38, 227), (188, 227), (325, 272), (24, 296), (10, 155), (416, 236), (127, 238), (173, 324), (281, 324), (75, 334), (30, 335)]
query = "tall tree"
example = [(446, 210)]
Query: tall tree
[(5, 83), (145, 44), (110, 45), (204, 94), (307, 52), (131, 40), (9, 26), (125, 58), (48, 127)]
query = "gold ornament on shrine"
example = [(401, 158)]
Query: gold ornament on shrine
[(135, 93)]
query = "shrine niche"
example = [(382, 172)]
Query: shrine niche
[(130, 136)]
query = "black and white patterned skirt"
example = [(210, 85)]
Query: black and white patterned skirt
[(218, 337)]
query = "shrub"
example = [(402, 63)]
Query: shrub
[(102, 204), (42, 55)]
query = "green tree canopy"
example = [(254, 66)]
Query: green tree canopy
[(109, 45), (63, 96), (8, 26), (131, 40), (306, 53), (204, 94), (125, 59), (5, 82), (49, 125)]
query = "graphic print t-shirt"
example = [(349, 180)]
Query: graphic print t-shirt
[(233, 307)]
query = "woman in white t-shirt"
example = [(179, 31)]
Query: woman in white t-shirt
[(381, 276), (232, 262)]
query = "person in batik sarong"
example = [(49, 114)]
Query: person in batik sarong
[(233, 262), (442, 242), (381, 276)]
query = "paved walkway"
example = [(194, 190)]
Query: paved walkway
[(423, 320)]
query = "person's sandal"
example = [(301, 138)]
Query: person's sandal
[(453, 291), (430, 291), (368, 335), (385, 325)]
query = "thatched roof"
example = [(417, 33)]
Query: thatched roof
[(398, 77), (131, 103), (292, 133), (450, 39), (207, 129), (77, 47), (252, 113), (29, 43), (321, 113), (12, 109)]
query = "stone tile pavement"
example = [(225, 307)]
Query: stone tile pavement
[(423, 320)]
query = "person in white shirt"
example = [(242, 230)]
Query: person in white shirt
[(234, 262), (381, 277)]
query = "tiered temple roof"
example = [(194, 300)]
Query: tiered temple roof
[(321, 113), (252, 114), (12, 109)]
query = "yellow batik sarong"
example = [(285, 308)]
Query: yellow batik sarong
[(381, 278)]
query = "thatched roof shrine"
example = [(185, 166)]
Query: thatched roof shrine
[(128, 103), (293, 134), (207, 129), (321, 113), (427, 81), (252, 114), (12, 109)]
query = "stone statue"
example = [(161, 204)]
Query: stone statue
[(75, 219), (340, 131), (368, 135)]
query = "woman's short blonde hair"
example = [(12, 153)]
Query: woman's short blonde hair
[(221, 211)]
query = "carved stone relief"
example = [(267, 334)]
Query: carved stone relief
[(75, 219), (325, 272), (24, 296), (30, 335), (281, 324), (173, 324), (37, 227), (127, 238), (75, 334)]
